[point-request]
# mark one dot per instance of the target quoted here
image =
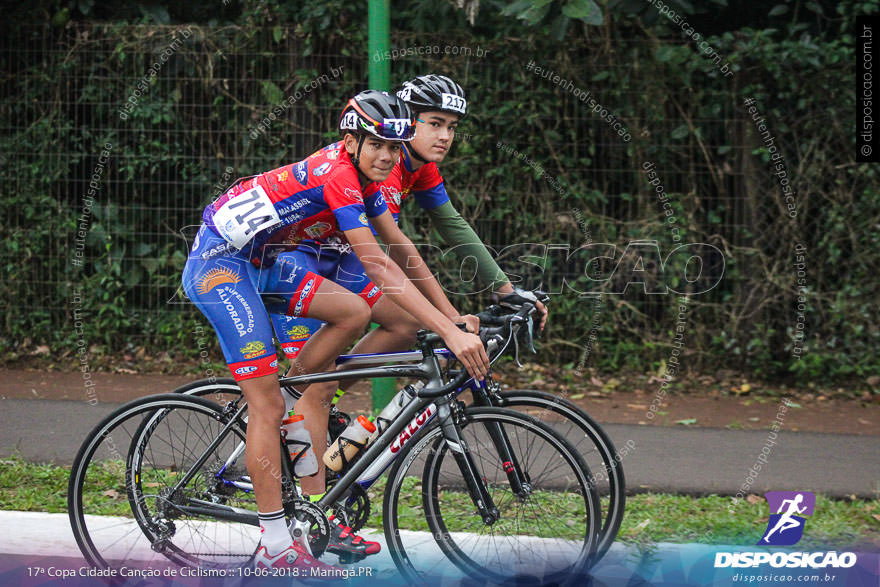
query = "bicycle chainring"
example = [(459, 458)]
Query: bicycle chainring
[(354, 508), (308, 521)]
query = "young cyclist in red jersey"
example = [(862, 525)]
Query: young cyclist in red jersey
[(233, 261), (439, 104)]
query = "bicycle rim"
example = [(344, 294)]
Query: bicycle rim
[(547, 535), (113, 496)]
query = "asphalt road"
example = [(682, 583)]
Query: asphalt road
[(679, 460)]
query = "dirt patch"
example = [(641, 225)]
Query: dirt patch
[(625, 402)]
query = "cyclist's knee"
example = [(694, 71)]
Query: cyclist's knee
[(357, 317), (265, 401), (404, 328)]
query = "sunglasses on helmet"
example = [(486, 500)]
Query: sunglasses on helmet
[(393, 129)]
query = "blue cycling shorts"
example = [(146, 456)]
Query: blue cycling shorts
[(340, 266), (227, 289)]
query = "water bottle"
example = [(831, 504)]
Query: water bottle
[(394, 407), (299, 443), (352, 439)]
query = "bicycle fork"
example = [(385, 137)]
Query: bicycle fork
[(484, 395), (476, 485)]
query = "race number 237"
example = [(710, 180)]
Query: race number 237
[(243, 216)]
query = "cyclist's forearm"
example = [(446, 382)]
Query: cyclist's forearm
[(408, 258), (393, 283), (457, 233)]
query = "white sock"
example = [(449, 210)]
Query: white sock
[(276, 536)]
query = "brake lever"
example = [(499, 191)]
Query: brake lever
[(530, 324), (516, 350)]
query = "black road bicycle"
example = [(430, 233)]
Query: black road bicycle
[(500, 494), (567, 418)]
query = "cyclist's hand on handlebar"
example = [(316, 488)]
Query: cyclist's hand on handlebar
[(542, 310), (471, 322), (469, 349)]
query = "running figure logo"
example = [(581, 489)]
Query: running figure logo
[(786, 526)]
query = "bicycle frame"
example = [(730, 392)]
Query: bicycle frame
[(382, 452)]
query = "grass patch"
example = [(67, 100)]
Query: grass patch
[(649, 517)]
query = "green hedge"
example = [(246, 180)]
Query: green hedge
[(532, 164)]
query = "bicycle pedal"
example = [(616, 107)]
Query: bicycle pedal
[(350, 558)]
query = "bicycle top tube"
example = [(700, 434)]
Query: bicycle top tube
[(375, 358)]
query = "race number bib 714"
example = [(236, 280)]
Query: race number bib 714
[(243, 216)]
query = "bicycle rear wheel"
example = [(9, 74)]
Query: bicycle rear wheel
[(547, 533), (121, 507)]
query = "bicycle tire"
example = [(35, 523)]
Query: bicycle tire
[(96, 485), (517, 558), (221, 388), (593, 445)]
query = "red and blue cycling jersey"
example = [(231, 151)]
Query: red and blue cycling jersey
[(425, 185), (296, 210), (315, 199)]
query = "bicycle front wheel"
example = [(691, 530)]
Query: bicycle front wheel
[(593, 445), (122, 507), (547, 530)]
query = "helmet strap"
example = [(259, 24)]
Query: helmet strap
[(415, 154), (356, 159)]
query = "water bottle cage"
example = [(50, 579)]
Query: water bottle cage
[(382, 424), (345, 462), (299, 454)]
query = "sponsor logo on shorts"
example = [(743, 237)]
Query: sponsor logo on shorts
[(322, 169), (253, 349), (273, 364), (302, 297), (216, 251), (197, 240), (301, 172), (215, 277), (298, 332), (228, 296), (289, 349), (245, 370), (373, 292)]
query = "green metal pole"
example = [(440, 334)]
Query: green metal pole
[(379, 71), (378, 43)]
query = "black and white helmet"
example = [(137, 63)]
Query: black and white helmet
[(378, 114), (435, 93)]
